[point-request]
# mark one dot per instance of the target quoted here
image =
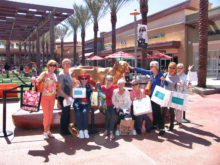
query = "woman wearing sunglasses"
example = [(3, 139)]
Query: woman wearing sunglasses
[(156, 79), (64, 92), (173, 84), (137, 94), (48, 95), (82, 106)]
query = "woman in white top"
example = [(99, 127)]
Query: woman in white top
[(121, 101)]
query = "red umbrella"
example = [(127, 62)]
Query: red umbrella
[(161, 56), (120, 54), (93, 58), (148, 57)]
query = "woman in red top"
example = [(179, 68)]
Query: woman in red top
[(108, 89)]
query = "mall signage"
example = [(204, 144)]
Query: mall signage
[(142, 36)]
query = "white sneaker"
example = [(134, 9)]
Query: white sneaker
[(86, 134), (134, 132), (46, 137), (50, 134), (81, 134), (117, 133)]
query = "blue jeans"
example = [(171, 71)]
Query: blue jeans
[(81, 116), (139, 120), (109, 118)]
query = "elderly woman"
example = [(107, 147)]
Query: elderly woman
[(65, 92), (156, 79), (173, 82), (121, 101), (49, 80), (108, 89), (137, 94), (82, 106)]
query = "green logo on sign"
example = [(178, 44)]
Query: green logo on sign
[(177, 100), (159, 95), (78, 92)]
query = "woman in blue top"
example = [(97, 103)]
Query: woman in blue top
[(156, 78)]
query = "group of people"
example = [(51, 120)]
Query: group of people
[(118, 99)]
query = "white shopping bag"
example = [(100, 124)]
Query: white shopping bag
[(68, 102), (142, 106), (161, 96), (192, 76), (178, 101), (79, 92)]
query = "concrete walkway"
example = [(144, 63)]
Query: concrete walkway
[(197, 142)]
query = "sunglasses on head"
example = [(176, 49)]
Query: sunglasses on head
[(135, 84), (84, 78), (53, 65)]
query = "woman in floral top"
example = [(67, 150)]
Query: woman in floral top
[(48, 95)]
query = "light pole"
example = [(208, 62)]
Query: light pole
[(135, 13)]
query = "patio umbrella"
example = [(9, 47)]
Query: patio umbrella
[(148, 57), (120, 54), (161, 56), (94, 58)]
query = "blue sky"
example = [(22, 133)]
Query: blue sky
[(123, 16)]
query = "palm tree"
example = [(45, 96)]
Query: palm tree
[(60, 32), (203, 39), (73, 22), (144, 11), (97, 9), (114, 6), (84, 16)]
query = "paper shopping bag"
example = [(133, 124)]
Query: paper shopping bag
[(79, 92), (142, 106), (192, 76), (126, 127), (94, 99), (161, 96), (178, 101)]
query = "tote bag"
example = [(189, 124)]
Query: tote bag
[(178, 101), (31, 101), (161, 96), (142, 106)]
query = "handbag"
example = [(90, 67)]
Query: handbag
[(40, 85), (178, 101), (31, 101)]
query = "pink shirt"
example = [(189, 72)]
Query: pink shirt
[(136, 95)]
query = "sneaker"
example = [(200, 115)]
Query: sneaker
[(86, 134), (81, 134), (105, 133), (111, 136), (117, 133), (171, 128), (46, 137), (50, 134), (134, 132), (162, 132), (180, 125)]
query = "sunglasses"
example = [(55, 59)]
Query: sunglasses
[(135, 84), (85, 78), (53, 65), (151, 66), (179, 68), (172, 68)]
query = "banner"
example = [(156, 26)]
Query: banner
[(142, 106), (142, 36), (178, 101), (161, 96)]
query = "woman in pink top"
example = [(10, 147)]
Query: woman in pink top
[(108, 89), (137, 94)]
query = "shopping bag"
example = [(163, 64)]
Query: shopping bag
[(178, 101), (142, 106), (31, 101), (126, 127), (192, 76), (79, 92), (94, 99), (102, 101), (161, 96)]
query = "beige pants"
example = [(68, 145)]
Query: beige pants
[(179, 115)]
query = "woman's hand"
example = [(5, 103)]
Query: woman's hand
[(190, 68), (130, 67), (33, 80), (117, 109), (162, 78)]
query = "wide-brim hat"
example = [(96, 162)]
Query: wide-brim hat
[(84, 75)]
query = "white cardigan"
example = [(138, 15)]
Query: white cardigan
[(121, 101)]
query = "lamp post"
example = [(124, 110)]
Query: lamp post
[(135, 13)]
